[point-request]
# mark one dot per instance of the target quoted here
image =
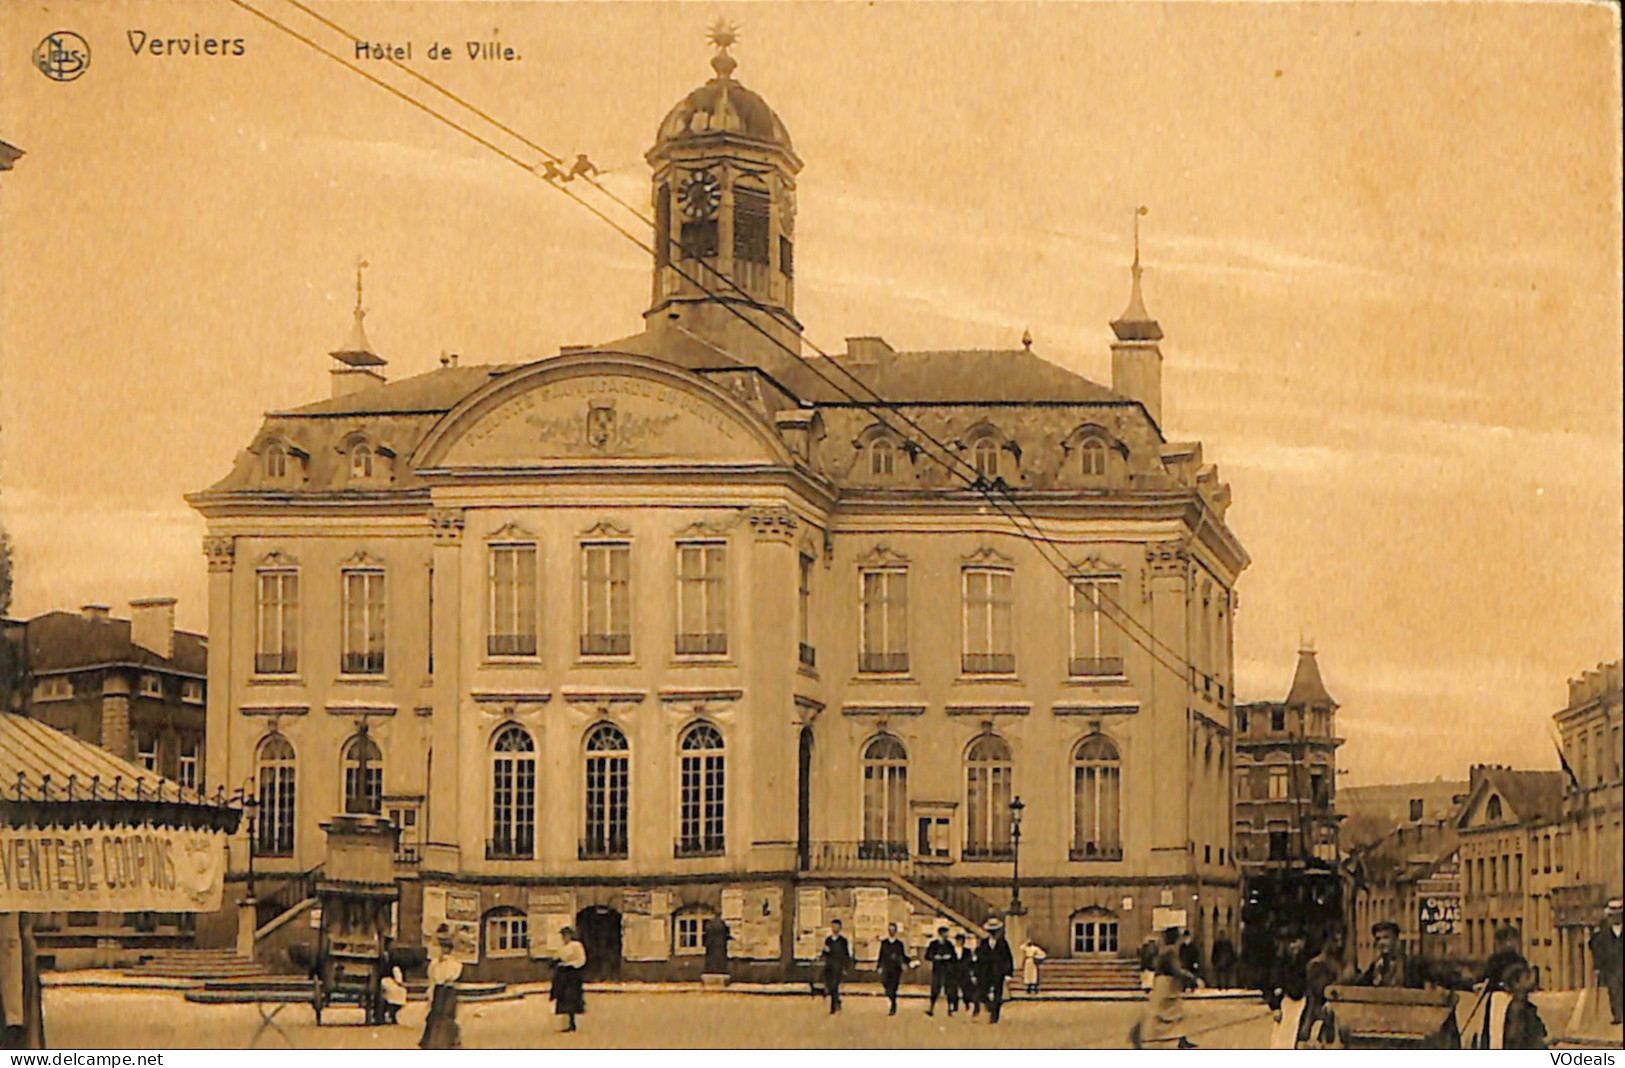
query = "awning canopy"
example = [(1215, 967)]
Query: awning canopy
[(83, 830)]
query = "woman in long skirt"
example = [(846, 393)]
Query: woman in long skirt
[(569, 997), (440, 1030), (1162, 1023)]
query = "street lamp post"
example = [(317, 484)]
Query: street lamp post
[(1016, 808), (251, 806)]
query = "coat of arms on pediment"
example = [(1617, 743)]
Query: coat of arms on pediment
[(601, 430)]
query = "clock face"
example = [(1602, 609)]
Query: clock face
[(701, 195)]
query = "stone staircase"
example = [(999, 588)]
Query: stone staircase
[(1088, 975), (199, 964)]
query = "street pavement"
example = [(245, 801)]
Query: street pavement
[(78, 1018)]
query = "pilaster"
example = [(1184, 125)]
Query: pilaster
[(769, 814), (443, 813), (221, 553), (1167, 575)]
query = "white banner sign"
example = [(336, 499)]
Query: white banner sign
[(111, 870)]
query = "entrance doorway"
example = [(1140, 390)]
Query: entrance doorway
[(804, 801), (599, 929)]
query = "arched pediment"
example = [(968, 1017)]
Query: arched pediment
[(606, 407)]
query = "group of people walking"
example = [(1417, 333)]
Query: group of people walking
[(965, 970), (440, 1028)]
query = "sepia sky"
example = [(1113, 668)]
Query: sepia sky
[(1383, 240)]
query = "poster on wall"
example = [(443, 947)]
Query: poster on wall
[(644, 932), (459, 910), (550, 912), (1164, 918), (755, 918), (871, 911), (809, 922)]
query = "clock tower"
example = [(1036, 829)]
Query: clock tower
[(724, 187)]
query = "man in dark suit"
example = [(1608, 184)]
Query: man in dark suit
[(1606, 955), (837, 958), (893, 960), (994, 965), (965, 978), (942, 957)]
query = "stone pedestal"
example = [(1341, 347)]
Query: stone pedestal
[(246, 927)]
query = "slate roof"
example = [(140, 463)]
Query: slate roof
[(1533, 796), (977, 376), (1308, 689), (62, 641)]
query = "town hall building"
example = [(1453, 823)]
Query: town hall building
[(689, 625)]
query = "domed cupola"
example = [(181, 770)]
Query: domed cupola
[(724, 202)]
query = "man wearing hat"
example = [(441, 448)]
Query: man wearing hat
[(1391, 968), (994, 965), (1606, 957)]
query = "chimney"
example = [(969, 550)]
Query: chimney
[(152, 625), (866, 351), (95, 612)]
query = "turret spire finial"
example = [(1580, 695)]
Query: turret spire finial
[(724, 35), (360, 265), (1136, 324)]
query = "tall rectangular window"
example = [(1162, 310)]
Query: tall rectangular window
[(606, 599), (1280, 784), (702, 598), (988, 613), (751, 229), (363, 652), (146, 753), (276, 640), (663, 225), (884, 630), (187, 776), (511, 603), (809, 656), (1097, 628)]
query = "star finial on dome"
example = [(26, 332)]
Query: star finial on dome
[(723, 35)]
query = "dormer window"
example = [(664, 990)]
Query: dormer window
[(1094, 458), (361, 462), (986, 458), (882, 458), (1492, 811), (276, 462)]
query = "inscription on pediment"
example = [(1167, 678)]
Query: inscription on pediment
[(611, 417)]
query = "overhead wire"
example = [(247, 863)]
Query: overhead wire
[(1037, 537)]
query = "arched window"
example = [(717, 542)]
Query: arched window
[(1492, 811), (1094, 457), (513, 795), (275, 775), (986, 458), (1096, 789), (608, 793), (507, 932), (988, 772), (885, 798), (882, 457), (701, 803), (361, 462), (363, 790), (276, 461)]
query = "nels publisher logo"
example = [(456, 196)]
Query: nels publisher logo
[(62, 56)]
